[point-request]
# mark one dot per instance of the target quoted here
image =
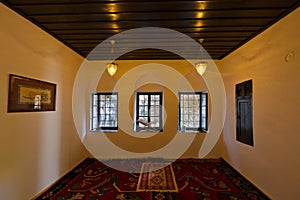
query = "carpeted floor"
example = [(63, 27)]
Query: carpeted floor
[(184, 179)]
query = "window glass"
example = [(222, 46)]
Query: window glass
[(104, 116), (148, 111), (192, 111)]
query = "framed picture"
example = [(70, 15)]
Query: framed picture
[(27, 94)]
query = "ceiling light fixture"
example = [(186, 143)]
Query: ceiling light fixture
[(201, 66), (113, 66)]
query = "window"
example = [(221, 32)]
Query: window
[(192, 111), (104, 116), (148, 111)]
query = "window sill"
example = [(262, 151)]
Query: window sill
[(192, 132), (104, 131), (148, 131)]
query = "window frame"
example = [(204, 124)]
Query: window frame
[(98, 128), (137, 128), (202, 128)]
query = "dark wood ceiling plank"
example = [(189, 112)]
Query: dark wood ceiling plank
[(147, 6), (163, 43), (193, 15), (109, 32), (165, 24), (39, 2), (196, 35), (212, 39)]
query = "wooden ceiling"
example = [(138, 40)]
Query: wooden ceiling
[(224, 25)]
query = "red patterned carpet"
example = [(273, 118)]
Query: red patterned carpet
[(184, 179)]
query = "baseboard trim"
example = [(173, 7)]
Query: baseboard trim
[(53, 183)]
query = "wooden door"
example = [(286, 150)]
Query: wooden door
[(244, 122)]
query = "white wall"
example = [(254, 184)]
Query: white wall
[(36, 148), (273, 163)]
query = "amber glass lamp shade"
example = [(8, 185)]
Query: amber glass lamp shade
[(201, 67), (112, 68)]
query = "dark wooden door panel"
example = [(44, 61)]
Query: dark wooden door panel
[(244, 122)]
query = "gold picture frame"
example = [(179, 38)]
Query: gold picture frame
[(30, 95)]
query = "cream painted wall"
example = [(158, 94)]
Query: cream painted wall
[(131, 141), (39, 147), (273, 163)]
